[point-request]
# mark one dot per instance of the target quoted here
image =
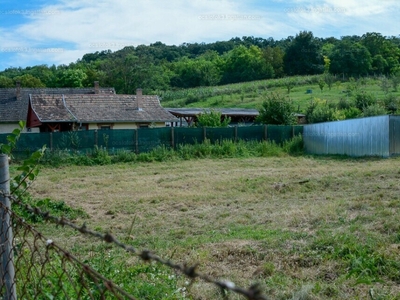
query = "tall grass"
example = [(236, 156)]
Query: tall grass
[(219, 149)]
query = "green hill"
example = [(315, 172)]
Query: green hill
[(251, 94)]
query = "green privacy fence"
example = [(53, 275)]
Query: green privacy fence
[(146, 139)]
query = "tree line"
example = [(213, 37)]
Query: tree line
[(159, 66)]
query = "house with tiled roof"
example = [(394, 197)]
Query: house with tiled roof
[(66, 112), (14, 102)]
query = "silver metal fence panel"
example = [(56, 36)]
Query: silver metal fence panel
[(394, 135), (356, 137)]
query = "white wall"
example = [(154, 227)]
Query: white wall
[(9, 127)]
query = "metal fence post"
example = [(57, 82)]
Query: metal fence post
[(6, 236), (266, 132), (137, 141), (236, 133), (51, 141), (172, 138), (96, 138)]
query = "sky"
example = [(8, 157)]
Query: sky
[(43, 32)]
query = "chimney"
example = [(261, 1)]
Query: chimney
[(139, 99), (96, 87), (18, 90)]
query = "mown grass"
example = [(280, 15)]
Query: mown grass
[(301, 227)]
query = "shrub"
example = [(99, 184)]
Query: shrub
[(351, 112), (123, 156), (268, 149), (391, 103), (295, 146), (100, 156), (277, 110), (192, 98), (344, 104), (212, 118), (363, 100), (318, 112), (374, 110)]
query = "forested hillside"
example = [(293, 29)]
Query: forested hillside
[(158, 66)]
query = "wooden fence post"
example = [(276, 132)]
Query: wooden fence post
[(6, 235), (51, 141)]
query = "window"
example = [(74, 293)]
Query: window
[(105, 127)]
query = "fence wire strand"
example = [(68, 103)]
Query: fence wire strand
[(43, 269), (37, 256)]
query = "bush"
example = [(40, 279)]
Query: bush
[(123, 156), (351, 112), (391, 103), (100, 156), (191, 98), (295, 146), (318, 112), (212, 118), (344, 104), (277, 110), (374, 110), (363, 100)]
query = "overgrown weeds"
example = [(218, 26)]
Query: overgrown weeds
[(207, 149)]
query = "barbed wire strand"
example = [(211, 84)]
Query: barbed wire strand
[(109, 285), (252, 293)]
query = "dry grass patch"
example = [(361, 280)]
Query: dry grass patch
[(311, 228)]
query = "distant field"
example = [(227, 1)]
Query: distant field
[(304, 227), (252, 94)]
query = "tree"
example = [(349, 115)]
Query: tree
[(72, 78), (274, 57), (352, 59), (329, 80), (277, 110), (6, 82), (29, 81), (321, 84), (212, 118), (202, 71), (246, 64), (303, 55), (385, 54)]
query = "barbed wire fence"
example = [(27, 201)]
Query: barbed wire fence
[(41, 269)]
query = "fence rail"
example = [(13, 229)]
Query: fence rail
[(146, 139)]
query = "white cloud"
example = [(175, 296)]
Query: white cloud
[(85, 26)]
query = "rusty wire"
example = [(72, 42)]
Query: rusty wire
[(252, 293), (43, 269)]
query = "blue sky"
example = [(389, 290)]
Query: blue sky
[(62, 31)]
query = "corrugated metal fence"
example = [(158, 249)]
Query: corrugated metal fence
[(146, 139), (372, 136)]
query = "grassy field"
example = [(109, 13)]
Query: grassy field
[(301, 227), (252, 94)]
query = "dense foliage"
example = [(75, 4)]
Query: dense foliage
[(277, 110), (159, 67)]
